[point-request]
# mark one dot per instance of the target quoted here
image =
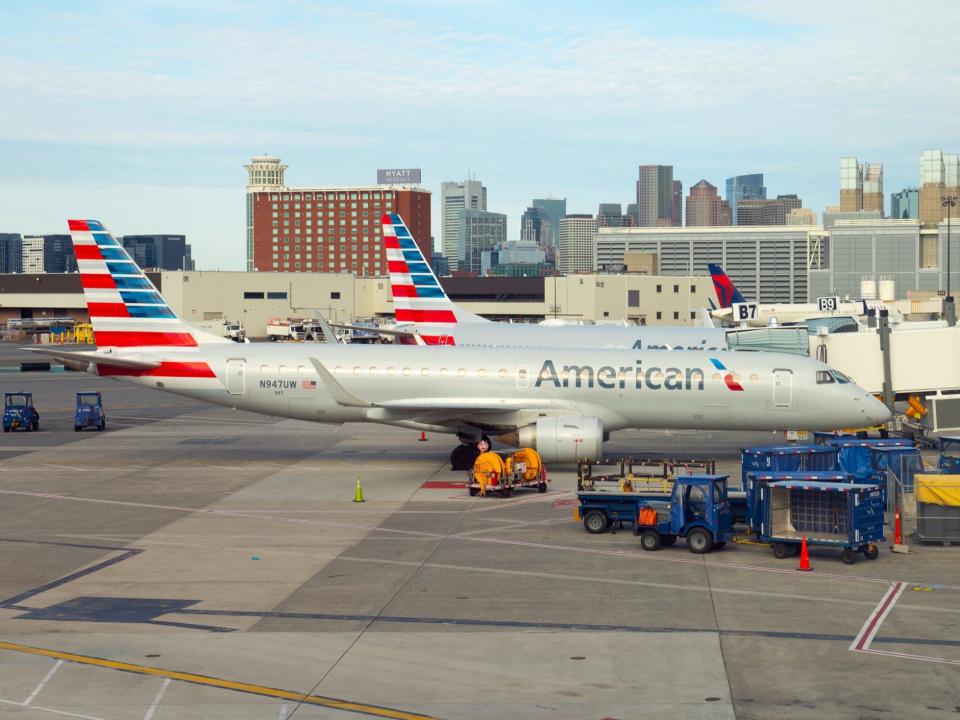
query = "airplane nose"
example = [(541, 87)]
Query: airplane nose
[(875, 411)]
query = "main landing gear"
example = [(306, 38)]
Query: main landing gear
[(464, 455)]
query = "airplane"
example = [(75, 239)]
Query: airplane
[(563, 403), (761, 315), (426, 315)]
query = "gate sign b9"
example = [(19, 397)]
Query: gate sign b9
[(742, 312), (828, 304)]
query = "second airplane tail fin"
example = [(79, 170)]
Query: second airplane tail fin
[(727, 293), (125, 308), (418, 296)]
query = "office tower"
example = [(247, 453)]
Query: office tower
[(767, 212), (704, 206), (905, 205), (325, 228), (555, 208), (576, 244), (801, 216), (655, 203), (32, 254), (609, 215), (536, 227), (58, 256), (744, 187), (478, 231), (11, 253), (851, 185), (873, 187), (939, 177), (632, 217), (454, 197), (159, 252), (676, 199)]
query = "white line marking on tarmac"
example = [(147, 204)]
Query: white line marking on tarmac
[(62, 467), (46, 679), (869, 630), (52, 710), (156, 701), (646, 557), (908, 656), (284, 709)]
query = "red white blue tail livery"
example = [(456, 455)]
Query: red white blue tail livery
[(418, 296)]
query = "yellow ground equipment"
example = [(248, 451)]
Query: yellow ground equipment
[(915, 407), (83, 333), (504, 473)]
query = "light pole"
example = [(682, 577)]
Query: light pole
[(949, 202)]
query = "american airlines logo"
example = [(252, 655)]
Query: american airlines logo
[(636, 376)]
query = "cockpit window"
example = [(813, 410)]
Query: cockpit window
[(840, 377), (824, 377)]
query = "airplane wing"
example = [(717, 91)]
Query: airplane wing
[(96, 356), (328, 335)]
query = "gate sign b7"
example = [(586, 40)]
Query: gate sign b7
[(828, 304), (742, 312)]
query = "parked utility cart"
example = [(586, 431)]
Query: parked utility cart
[(19, 412), (838, 514), (503, 474), (696, 510), (89, 413)]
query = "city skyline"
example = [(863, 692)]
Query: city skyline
[(149, 131)]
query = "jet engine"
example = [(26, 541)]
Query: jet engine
[(561, 439)]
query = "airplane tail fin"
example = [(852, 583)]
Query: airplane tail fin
[(727, 293), (125, 308), (418, 296)]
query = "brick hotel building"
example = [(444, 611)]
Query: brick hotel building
[(325, 229)]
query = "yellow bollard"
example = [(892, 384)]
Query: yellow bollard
[(358, 493)]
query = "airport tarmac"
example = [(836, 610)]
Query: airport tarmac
[(193, 562)]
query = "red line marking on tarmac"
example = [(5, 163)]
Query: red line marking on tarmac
[(869, 630), (443, 485)]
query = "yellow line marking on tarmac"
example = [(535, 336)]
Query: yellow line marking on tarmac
[(318, 700)]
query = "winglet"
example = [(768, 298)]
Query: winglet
[(328, 334), (336, 390)]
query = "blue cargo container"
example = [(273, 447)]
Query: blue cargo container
[(844, 515), (854, 453), (757, 479), (786, 458)]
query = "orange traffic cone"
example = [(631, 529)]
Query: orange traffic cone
[(423, 436), (804, 556)]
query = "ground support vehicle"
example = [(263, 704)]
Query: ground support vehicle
[(949, 460), (19, 413), (697, 510), (608, 490), (837, 514), (285, 329), (89, 413), (503, 474)]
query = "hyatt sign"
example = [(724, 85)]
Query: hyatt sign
[(409, 176)]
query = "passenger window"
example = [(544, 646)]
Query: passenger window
[(443, 372), (373, 371), (391, 371), (336, 371), (824, 377), (716, 377), (356, 371), (461, 372), (407, 371), (502, 373), (481, 372), (754, 377), (424, 371)]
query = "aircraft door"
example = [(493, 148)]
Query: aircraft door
[(236, 376), (782, 388)]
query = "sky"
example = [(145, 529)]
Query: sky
[(142, 113)]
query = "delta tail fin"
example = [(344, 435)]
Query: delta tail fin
[(125, 308), (727, 293), (418, 296)]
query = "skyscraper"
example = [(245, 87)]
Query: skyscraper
[(478, 231), (767, 212), (555, 208), (11, 253), (58, 256), (32, 253), (905, 204), (536, 227), (609, 215), (575, 253), (162, 252), (704, 206), (744, 187), (676, 214), (655, 196), (861, 188), (454, 197), (873, 187), (939, 177)]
